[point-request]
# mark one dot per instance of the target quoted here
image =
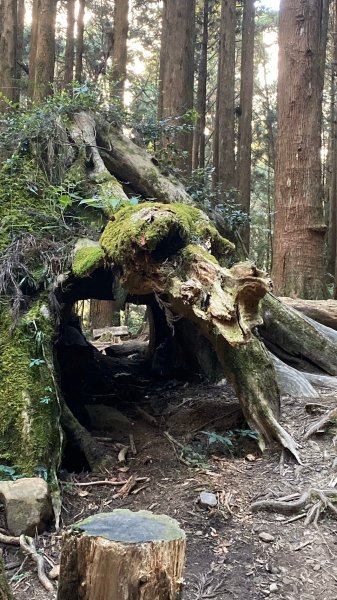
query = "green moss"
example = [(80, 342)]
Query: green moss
[(87, 260), (192, 250), (141, 228), (29, 435)]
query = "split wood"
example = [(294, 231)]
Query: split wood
[(27, 544), (313, 501)]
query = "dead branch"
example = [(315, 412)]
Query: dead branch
[(314, 501), (331, 415)]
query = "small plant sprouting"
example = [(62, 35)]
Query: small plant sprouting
[(36, 362)]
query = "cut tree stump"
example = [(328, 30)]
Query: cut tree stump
[(123, 555)]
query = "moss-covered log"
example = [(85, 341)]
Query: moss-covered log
[(298, 336), (154, 249)]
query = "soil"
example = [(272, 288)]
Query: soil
[(226, 555)]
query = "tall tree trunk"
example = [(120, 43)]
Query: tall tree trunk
[(33, 47), (101, 313), (332, 239), (198, 158), (226, 97), (176, 75), (8, 30), (121, 27), (79, 41), (19, 40), (246, 111), (298, 268), (45, 50), (70, 44)]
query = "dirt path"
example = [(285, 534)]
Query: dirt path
[(226, 557)]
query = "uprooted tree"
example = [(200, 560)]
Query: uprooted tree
[(59, 189)]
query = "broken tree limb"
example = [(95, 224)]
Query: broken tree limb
[(132, 164), (322, 311), (123, 555), (297, 335)]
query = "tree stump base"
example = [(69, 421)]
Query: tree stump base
[(5, 592), (123, 555)]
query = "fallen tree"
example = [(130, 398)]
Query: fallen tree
[(53, 253)]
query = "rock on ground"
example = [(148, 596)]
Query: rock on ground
[(27, 505)]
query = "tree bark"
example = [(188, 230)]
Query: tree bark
[(70, 44), (101, 313), (8, 31), (176, 76), (79, 41), (121, 27), (33, 47), (19, 41), (45, 51), (5, 592), (246, 111), (226, 99), (123, 555), (198, 157), (332, 187), (298, 268)]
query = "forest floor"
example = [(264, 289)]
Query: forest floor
[(228, 555)]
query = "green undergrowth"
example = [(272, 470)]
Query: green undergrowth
[(147, 227), (29, 434)]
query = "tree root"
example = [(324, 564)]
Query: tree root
[(331, 415), (313, 501), (27, 544)]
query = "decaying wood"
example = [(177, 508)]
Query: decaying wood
[(223, 303), (123, 555), (322, 311)]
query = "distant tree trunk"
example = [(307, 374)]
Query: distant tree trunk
[(79, 41), (8, 30), (101, 313), (19, 40), (45, 50), (298, 268), (33, 47), (198, 158), (225, 166), (121, 28), (246, 111), (176, 76), (70, 44)]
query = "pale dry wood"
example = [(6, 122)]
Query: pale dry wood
[(331, 415), (323, 311), (27, 544)]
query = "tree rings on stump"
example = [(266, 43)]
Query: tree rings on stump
[(123, 555)]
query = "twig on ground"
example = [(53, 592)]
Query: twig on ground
[(148, 418), (132, 444), (122, 454), (127, 487), (106, 482)]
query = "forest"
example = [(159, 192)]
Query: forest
[(168, 299)]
